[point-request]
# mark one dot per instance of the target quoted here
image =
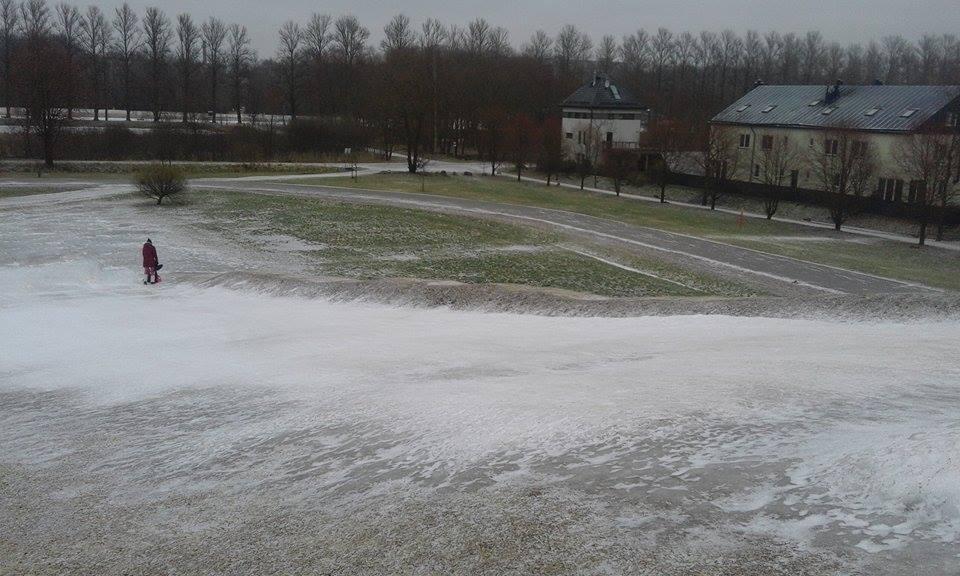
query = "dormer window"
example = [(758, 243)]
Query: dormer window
[(908, 112), (768, 109), (743, 108), (815, 103), (871, 112), (828, 111)]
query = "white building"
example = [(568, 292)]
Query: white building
[(807, 117), (602, 115)]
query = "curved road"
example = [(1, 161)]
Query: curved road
[(784, 269)]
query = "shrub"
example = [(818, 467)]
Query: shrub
[(161, 180)]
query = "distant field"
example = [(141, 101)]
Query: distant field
[(369, 242), (932, 266)]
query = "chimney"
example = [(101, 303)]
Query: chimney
[(878, 82)]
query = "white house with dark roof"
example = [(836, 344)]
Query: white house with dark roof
[(878, 116), (600, 109)]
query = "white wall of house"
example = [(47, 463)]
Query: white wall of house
[(810, 142), (625, 127)]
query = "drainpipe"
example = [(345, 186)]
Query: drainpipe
[(753, 151)]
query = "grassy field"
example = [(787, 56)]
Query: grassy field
[(932, 266), (665, 217), (369, 242)]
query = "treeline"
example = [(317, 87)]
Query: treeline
[(432, 86)]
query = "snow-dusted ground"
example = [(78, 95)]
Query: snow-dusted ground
[(181, 429)]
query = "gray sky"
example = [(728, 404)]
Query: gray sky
[(840, 20)]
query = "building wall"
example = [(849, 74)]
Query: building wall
[(624, 130), (882, 144)]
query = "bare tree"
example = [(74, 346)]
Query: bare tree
[(9, 22), (240, 56), (540, 47), (317, 39), (843, 165), (214, 32), (668, 139), (68, 24), (188, 38), (128, 43), (926, 158), (778, 156), (432, 35), (290, 56), (607, 54), (499, 42), (350, 39), (397, 35), (156, 34), (662, 47), (96, 39), (40, 64), (720, 159), (478, 36), (620, 166), (571, 49)]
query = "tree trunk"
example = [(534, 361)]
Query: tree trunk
[(159, 200), (940, 220), (663, 194), (48, 153)]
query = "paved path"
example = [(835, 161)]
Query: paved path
[(741, 260)]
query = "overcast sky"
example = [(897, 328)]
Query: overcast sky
[(840, 20)]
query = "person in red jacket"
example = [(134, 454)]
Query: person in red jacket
[(150, 263)]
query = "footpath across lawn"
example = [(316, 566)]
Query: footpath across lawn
[(931, 266)]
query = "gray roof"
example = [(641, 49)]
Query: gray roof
[(793, 107), (603, 93)]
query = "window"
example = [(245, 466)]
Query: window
[(858, 148), (953, 120), (812, 143), (569, 135), (908, 112), (815, 103), (768, 109), (828, 111), (756, 170), (766, 143), (871, 112), (831, 147), (743, 108), (890, 189), (628, 116), (580, 137), (744, 140)]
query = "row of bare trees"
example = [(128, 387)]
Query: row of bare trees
[(845, 166), (324, 65)]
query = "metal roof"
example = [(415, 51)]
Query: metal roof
[(880, 108), (602, 93)]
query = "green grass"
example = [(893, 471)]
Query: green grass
[(369, 242), (932, 266), (504, 190)]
